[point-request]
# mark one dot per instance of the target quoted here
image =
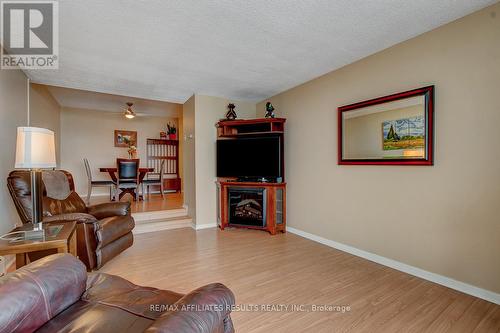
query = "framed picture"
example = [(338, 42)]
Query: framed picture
[(406, 133), (390, 130), (125, 138)]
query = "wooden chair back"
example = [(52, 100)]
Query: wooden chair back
[(128, 169)]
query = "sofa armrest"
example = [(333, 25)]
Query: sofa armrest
[(204, 310), (36, 293), (109, 209), (78, 217)]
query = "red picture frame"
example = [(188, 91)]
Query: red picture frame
[(428, 93)]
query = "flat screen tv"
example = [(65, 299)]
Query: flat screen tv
[(249, 157)]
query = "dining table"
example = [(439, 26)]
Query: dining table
[(112, 174)]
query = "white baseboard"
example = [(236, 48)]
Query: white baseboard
[(203, 226), (426, 275)]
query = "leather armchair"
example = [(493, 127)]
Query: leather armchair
[(55, 294), (103, 231)]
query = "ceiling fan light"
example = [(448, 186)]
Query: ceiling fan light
[(129, 114)]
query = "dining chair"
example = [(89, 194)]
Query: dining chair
[(128, 177), (91, 183), (156, 180)]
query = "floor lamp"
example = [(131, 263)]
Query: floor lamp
[(35, 150)]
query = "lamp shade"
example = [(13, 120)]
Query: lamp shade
[(35, 148)]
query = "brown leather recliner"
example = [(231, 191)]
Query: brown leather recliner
[(54, 294), (103, 231)]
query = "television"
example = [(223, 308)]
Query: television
[(251, 157)]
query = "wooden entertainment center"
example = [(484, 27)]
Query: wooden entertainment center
[(268, 199)]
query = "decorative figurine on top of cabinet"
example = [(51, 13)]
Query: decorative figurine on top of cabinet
[(231, 114), (269, 110)]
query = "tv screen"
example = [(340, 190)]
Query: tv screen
[(249, 157)]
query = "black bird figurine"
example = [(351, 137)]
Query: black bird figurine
[(269, 110)]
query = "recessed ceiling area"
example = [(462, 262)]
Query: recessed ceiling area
[(238, 49), (81, 99)]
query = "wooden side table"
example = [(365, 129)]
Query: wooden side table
[(63, 242)]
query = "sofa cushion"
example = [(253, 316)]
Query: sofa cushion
[(108, 252), (56, 184), (78, 217), (113, 304), (95, 317), (110, 229), (115, 291), (19, 185), (109, 209), (36, 293), (72, 204), (187, 318)]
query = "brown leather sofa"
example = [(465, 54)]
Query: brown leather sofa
[(54, 294), (103, 231)]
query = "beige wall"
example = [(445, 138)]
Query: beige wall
[(45, 113), (200, 114), (448, 221), (13, 102), (90, 134), (209, 110), (188, 156)]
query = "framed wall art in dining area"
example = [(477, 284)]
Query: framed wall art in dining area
[(125, 138), (396, 129)]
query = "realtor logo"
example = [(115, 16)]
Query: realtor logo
[(29, 34)]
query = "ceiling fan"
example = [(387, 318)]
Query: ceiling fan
[(131, 114)]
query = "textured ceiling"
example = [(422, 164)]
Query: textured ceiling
[(81, 99), (239, 49)]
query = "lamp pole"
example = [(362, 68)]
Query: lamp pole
[(36, 198)]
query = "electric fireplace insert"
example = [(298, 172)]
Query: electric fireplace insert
[(247, 206)]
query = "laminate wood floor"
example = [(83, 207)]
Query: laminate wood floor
[(288, 269)]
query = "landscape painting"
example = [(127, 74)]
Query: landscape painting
[(407, 133), (125, 138)]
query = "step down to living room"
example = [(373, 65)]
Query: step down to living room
[(161, 220)]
